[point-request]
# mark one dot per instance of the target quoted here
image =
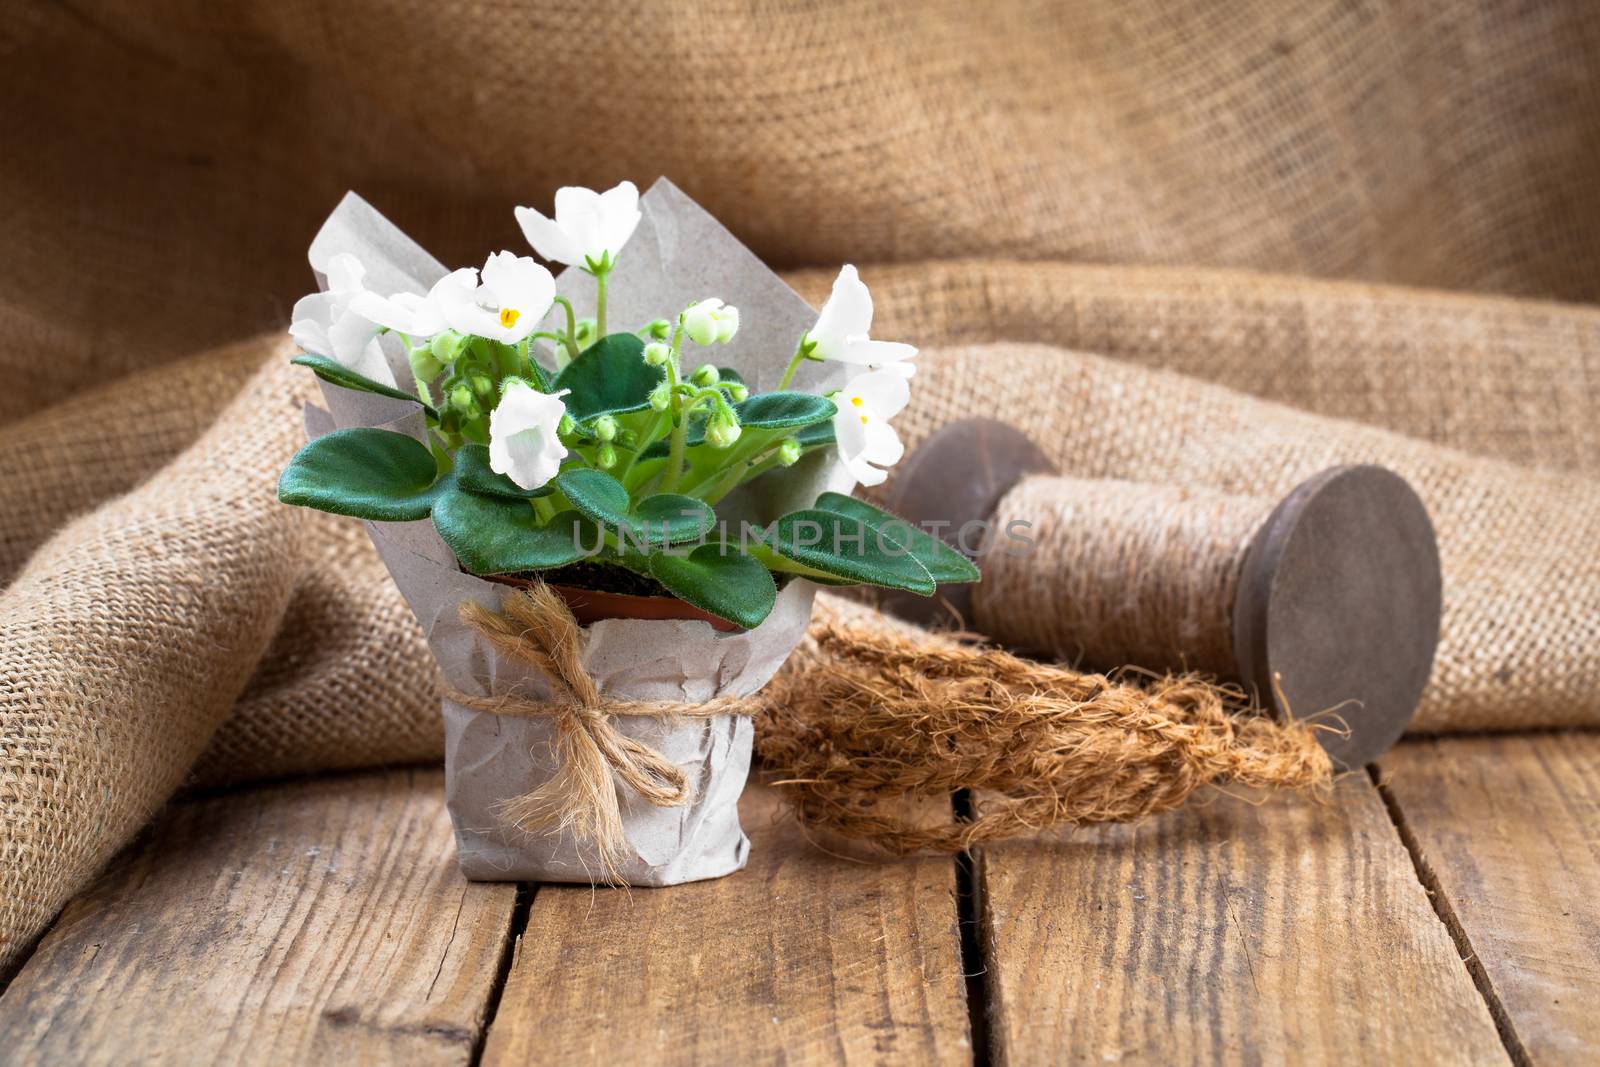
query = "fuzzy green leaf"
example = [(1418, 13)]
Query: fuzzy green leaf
[(662, 518), (611, 376), (674, 517), (720, 579), (474, 474), (943, 563), (816, 436), (497, 535), (784, 411), (365, 472), (848, 548), (330, 370), (596, 494)]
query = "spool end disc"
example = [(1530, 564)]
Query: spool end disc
[(958, 476), (1337, 611)]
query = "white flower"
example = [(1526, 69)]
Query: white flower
[(861, 427), (841, 330), (589, 229), (327, 324), (412, 314), (710, 321), (522, 435), (515, 294)]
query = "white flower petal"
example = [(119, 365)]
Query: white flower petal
[(311, 335), (345, 273), (587, 225), (410, 313), (864, 472), (619, 215), (847, 314), (884, 446), (885, 392), (547, 238), (523, 435), (864, 350), (571, 199)]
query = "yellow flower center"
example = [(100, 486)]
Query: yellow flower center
[(856, 400), (509, 317), (863, 420)]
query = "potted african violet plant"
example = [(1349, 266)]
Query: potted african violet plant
[(673, 465)]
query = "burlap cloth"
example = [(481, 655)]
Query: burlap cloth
[(164, 620)]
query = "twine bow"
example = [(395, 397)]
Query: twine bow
[(535, 627)]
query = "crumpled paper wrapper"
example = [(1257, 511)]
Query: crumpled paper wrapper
[(679, 254)]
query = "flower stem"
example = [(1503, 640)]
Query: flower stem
[(600, 303), (794, 365), (571, 338)]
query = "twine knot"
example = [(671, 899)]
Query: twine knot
[(535, 627)]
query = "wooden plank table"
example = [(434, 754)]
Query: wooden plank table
[(1450, 913)]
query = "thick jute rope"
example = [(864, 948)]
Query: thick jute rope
[(869, 718), (1120, 572), (535, 627)]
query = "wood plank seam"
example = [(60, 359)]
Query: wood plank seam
[(974, 953), (1452, 923), (508, 951)]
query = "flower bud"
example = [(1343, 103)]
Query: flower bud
[(657, 353), (482, 384), (700, 321), (606, 457), (424, 364), (462, 400), (661, 397), (738, 393), (585, 330), (566, 425), (447, 345), (788, 452), (727, 324), (722, 430), (661, 329), (705, 374), (605, 428)]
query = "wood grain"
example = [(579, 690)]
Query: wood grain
[(1271, 929), (319, 922), (1509, 830), (800, 958)]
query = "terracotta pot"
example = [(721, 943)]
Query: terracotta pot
[(592, 605)]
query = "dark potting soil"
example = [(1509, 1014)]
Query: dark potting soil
[(602, 578), (609, 578)]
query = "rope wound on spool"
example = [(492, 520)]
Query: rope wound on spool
[(1325, 604)]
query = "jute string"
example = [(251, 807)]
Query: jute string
[(535, 627), (867, 717), (1120, 572)]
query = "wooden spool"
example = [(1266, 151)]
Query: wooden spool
[(1338, 600)]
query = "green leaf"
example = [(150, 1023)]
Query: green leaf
[(848, 548), (662, 518), (541, 377), (474, 474), (784, 411), (366, 472), (720, 579), (943, 563), (596, 494), (330, 370), (674, 517), (816, 436), (497, 535), (611, 376), (765, 418)]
